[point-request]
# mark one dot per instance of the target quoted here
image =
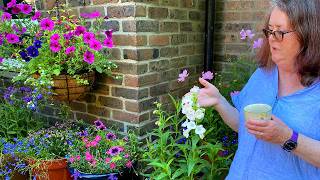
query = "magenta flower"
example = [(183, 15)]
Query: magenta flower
[(88, 57), (111, 136), (257, 43), (89, 157), (108, 33), (11, 4), (95, 45), (88, 37), (71, 159), (98, 123), (78, 157), (46, 24), (234, 93), (207, 75), (107, 160), (36, 16), (15, 10), (92, 15), (12, 38), (97, 138), (6, 17), (1, 59), (80, 30), (183, 76), (112, 165), (25, 8), (68, 36), (55, 37), (93, 144), (115, 150), (55, 46), (108, 42), (1, 39), (126, 156), (70, 49), (129, 164)]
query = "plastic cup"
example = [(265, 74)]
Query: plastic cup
[(258, 112)]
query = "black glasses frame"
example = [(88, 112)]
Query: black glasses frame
[(278, 35)]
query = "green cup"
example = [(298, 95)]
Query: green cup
[(258, 112)]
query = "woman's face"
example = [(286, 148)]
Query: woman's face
[(285, 51)]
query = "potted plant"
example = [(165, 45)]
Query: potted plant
[(53, 51), (101, 154)]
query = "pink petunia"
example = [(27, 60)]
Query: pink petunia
[(12, 38), (93, 163), (55, 46), (15, 10), (25, 8), (95, 45), (36, 16), (80, 30), (107, 160), (88, 37), (93, 143), (46, 24), (71, 159), (88, 57), (108, 43), (70, 49), (183, 76), (78, 157), (257, 43), (108, 33), (207, 75), (115, 150), (89, 157), (97, 138), (55, 37), (1, 59), (126, 156), (11, 4), (91, 15), (112, 165), (6, 17), (129, 164)]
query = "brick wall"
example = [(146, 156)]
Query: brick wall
[(154, 41), (231, 17)]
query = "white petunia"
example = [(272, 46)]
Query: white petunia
[(199, 114), (191, 125), (191, 114), (187, 108), (186, 133), (184, 124), (195, 89), (200, 130)]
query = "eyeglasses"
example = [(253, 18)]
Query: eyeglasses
[(278, 35)]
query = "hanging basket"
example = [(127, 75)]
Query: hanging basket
[(66, 88)]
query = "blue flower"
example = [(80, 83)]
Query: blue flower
[(182, 140), (27, 99), (112, 177), (37, 44), (32, 51), (39, 96), (24, 56)]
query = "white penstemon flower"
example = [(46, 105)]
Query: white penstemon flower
[(193, 112)]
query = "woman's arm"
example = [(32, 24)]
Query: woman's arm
[(277, 132), (209, 95)]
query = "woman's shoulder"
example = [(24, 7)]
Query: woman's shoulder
[(263, 74)]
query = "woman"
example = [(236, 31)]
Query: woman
[(288, 146)]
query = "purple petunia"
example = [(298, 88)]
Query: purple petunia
[(112, 177), (25, 8), (111, 136), (88, 57), (68, 35), (207, 75), (55, 46), (1, 59), (1, 39), (32, 51), (80, 30), (257, 43), (108, 42), (115, 150), (12, 38), (183, 75), (108, 33), (24, 56), (88, 37), (70, 49), (6, 17), (37, 44), (54, 37), (95, 45), (91, 15), (11, 4), (46, 24), (36, 16)]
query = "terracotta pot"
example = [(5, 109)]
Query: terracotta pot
[(53, 169), (66, 87)]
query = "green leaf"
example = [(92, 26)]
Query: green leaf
[(56, 72), (12, 132), (161, 176), (157, 164), (99, 69), (191, 165), (178, 173)]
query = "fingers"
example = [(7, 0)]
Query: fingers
[(261, 123), (204, 82), (254, 127)]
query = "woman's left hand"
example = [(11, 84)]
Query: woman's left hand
[(274, 131)]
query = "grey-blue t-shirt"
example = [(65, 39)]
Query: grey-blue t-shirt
[(260, 160)]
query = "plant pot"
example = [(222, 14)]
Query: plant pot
[(66, 87), (86, 176), (53, 169)]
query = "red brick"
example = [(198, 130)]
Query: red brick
[(129, 117), (129, 40), (159, 40)]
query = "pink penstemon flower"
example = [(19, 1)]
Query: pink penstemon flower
[(78, 157), (207, 75), (183, 76), (107, 160), (89, 157), (112, 165), (257, 43)]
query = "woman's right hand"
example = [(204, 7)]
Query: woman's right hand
[(209, 95)]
